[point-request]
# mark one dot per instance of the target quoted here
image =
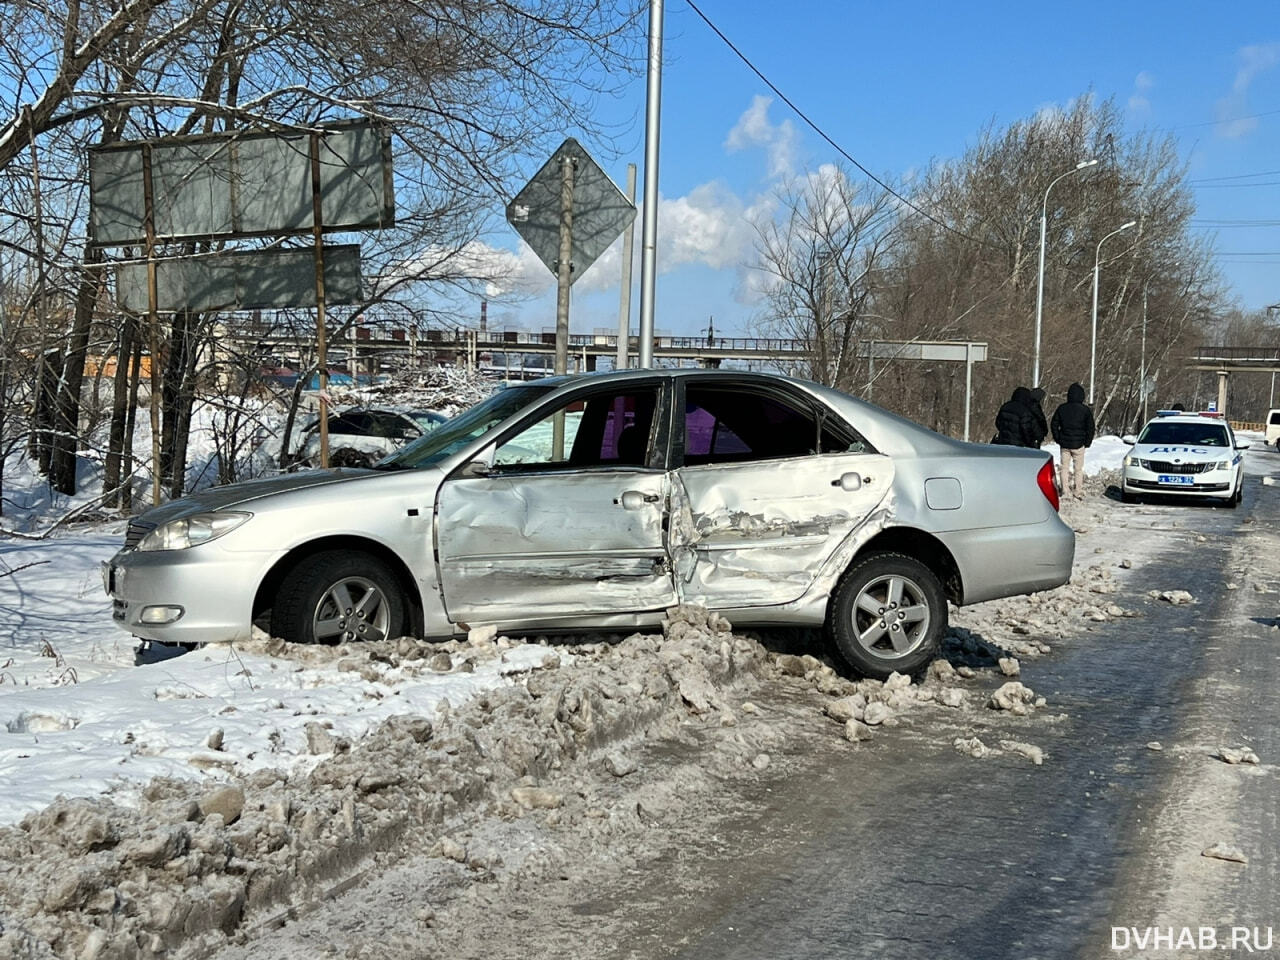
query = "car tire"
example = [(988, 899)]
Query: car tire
[(1127, 497), (865, 593), (336, 597), (350, 457)]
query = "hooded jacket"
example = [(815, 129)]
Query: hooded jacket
[(1037, 411), (1073, 421), (1016, 423)]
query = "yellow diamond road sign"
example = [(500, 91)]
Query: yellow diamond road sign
[(600, 210)]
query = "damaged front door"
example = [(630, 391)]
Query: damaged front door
[(553, 533), (767, 492)]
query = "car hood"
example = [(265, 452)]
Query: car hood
[(237, 494), (1181, 453)]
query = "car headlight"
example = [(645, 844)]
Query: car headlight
[(191, 531), (1222, 465), (1130, 461)]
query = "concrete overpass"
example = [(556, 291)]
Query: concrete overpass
[(1226, 360)]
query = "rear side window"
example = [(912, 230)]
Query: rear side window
[(735, 425), (1275, 417)]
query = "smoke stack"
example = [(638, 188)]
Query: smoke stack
[(484, 316)]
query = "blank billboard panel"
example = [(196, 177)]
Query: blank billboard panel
[(244, 280), (233, 185)]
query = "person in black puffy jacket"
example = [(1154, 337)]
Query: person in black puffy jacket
[(1073, 429), (1016, 422), (1037, 410)]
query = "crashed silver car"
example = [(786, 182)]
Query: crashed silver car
[(598, 502)]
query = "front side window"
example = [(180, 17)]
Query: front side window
[(607, 429)]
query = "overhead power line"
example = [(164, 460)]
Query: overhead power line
[(823, 134), (1238, 176)]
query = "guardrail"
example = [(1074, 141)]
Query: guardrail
[(1247, 425)]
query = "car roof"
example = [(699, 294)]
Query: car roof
[(1188, 418)]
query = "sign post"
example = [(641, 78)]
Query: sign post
[(569, 213)]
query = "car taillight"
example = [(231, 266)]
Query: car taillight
[(1048, 484)]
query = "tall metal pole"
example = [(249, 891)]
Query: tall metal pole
[(628, 250), (1044, 219), (649, 233), (1093, 344), (322, 349), (1142, 357)]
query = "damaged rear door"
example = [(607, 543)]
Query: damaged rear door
[(770, 484), (539, 532)]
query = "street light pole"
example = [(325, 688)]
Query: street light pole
[(1093, 345), (1044, 220)]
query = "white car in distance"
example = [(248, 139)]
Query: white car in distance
[(1184, 455)]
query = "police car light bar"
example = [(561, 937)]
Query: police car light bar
[(1170, 413), (1216, 414)]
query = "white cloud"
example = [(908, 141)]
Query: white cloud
[(1143, 84), (502, 272), (1254, 60), (754, 129)]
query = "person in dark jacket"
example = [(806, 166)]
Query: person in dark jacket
[(1015, 423), (1073, 431), (1037, 410)]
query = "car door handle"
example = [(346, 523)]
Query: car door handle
[(851, 481), (635, 499)]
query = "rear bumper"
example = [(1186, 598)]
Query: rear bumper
[(1007, 561)]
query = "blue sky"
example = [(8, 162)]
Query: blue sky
[(900, 84)]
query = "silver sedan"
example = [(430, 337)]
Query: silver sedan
[(598, 502)]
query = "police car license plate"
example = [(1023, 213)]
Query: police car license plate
[(1177, 480)]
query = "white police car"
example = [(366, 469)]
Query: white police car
[(1185, 455)]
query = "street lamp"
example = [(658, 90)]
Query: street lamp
[(1093, 346), (1044, 218)]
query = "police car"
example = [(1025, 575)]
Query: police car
[(1185, 455)]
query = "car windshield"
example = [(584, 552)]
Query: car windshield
[(427, 419), (1185, 434), (454, 434)]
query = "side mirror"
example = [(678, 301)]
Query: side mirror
[(476, 468), (1243, 446), (1129, 438)]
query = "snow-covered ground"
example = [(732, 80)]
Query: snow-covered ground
[(82, 719)]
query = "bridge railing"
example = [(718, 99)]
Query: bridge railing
[(1208, 354)]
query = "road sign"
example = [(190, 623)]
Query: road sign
[(600, 210)]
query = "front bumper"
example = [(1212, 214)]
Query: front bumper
[(210, 590), (1214, 483)]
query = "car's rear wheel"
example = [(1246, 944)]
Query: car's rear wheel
[(888, 614), (337, 597)]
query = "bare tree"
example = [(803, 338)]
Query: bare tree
[(820, 265)]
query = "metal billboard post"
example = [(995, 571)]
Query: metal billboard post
[(628, 250), (317, 230), (564, 279), (153, 318), (968, 386)]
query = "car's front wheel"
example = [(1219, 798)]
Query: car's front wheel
[(336, 597), (888, 614)]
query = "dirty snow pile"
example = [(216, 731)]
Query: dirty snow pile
[(184, 859)]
